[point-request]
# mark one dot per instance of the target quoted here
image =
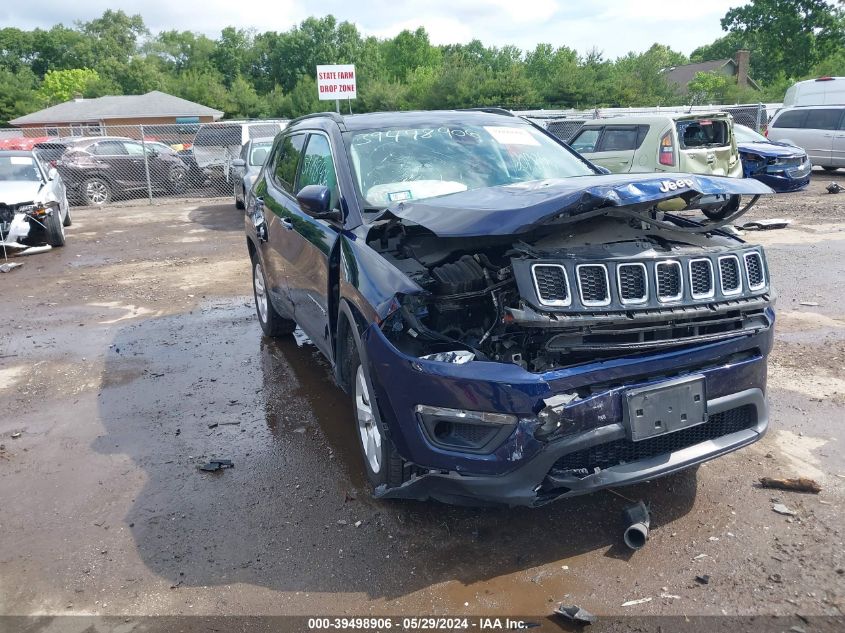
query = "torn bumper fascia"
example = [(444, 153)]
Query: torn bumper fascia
[(524, 486), (734, 370), (18, 230)]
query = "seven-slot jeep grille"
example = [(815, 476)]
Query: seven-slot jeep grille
[(649, 283)]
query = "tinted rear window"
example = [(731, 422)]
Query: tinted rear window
[(219, 136), (791, 118), (703, 133), (823, 119), (49, 152)]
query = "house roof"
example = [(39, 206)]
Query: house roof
[(152, 104), (682, 75)]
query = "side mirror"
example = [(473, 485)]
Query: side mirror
[(52, 174), (239, 162), (315, 200)]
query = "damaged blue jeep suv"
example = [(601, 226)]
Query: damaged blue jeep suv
[(513, 324)]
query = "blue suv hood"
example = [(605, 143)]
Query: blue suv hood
[(518, 208)]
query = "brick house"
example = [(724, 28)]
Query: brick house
[(89, 117)]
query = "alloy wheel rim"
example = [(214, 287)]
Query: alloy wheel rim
[(367, 427), (96, 192), (260, 293)]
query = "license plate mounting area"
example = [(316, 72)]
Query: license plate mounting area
[(665, 407)]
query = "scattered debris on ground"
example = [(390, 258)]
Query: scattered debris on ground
[(7, 267), (216, 464), (810, 304), (575, 614), (631, 603), (703, 579), (765, 225), (834, 187), (782, 509), (798, 484)]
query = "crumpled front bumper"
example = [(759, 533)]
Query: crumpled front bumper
[(14, 232), (521, 472)]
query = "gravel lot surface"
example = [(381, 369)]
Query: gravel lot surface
[(123, 350)]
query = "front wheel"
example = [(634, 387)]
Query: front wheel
[(382, 462), (55, 229), (272, 323)]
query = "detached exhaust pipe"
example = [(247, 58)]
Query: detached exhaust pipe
[(636, 520)]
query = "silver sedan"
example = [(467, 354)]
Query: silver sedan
[(33, 202)]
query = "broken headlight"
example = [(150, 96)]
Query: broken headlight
[(34, 210), (468, 431)]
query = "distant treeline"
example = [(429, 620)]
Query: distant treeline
[(251, 74)]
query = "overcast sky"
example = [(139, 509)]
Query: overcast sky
[(613, 26)]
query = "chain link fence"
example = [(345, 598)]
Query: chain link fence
[(102, 165), (565, 123)]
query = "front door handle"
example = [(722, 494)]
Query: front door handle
[(287, 223)]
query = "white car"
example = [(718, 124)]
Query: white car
[(33, 202), (818, 130)]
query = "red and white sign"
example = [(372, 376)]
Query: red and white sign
[(336, 82)]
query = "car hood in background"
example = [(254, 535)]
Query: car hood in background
[(13, 192), (771, 150), (519, 208)]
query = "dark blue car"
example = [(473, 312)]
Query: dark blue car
[(513, 325), (782, 166)]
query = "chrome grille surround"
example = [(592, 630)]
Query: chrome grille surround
[(564, 278), (696, 266), (755, 274), (668, 265), (728, 269), (586, 277), (622, 284)]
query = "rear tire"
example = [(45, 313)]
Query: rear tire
[(55, 229), (382, 463), (272, 323)]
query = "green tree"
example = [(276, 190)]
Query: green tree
[(18, 96), (789, 36), (62, 85), (408, 51)]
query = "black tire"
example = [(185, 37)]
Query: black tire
[(54, 229), (96, 192), (67, 221), (830, 169), (391, 466), (718, 214), (239, 203), (272, 323)]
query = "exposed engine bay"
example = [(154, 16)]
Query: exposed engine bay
[(564, 294)]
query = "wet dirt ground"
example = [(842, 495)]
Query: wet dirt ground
[(132, 356)]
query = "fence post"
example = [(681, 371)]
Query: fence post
[(146, 166)]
